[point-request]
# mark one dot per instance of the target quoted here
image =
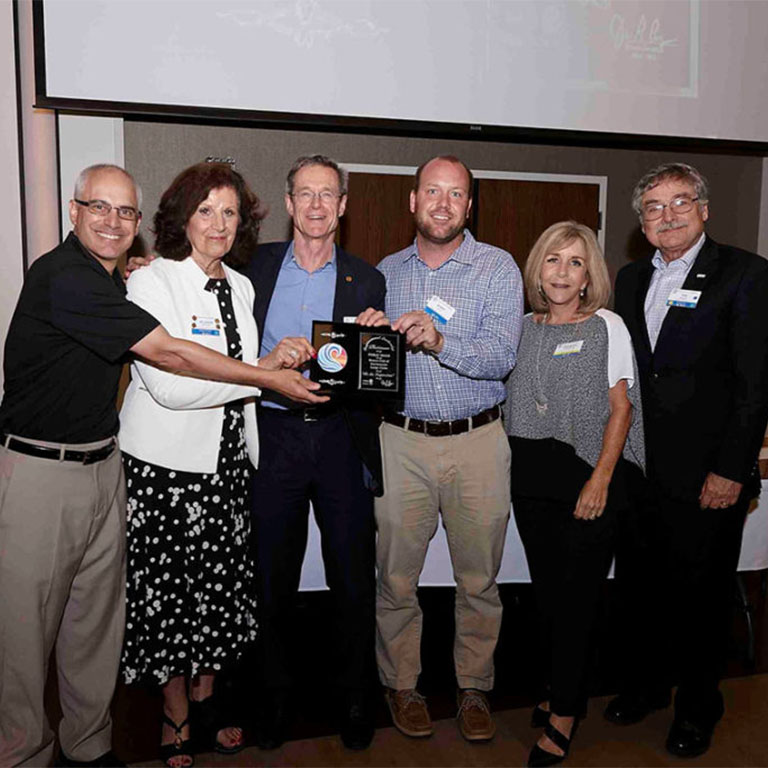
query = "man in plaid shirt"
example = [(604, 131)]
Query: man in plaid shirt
[(460, 305)]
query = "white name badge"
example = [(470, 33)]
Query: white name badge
[(682, 298), (568, 348), (441, 310), (206, 326)]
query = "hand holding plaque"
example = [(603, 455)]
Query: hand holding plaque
[(357, 361)]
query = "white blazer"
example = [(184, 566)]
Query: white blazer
[(174, 420)]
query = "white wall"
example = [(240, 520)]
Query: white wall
[(11, 257), (84, 141)]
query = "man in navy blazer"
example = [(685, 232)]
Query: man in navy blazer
[(328, 455), (698, 315)]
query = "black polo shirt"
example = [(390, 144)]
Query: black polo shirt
[(64, 353)]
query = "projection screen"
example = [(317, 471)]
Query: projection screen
[(654, 67)]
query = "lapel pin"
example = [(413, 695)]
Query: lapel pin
[(348, 278), (700, 275)]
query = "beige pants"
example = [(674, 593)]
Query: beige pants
[(62, 585), (466, 478)]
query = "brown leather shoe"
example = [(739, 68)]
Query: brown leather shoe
[(474, 715), (409, 712)]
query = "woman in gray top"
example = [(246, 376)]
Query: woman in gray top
[(575, 427)]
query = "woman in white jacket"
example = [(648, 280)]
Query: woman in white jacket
[(188, 447)]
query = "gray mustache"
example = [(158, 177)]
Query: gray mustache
[(670, 225)]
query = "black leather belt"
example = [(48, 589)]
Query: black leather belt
[(310, 413), (444, 428), (48, 452)]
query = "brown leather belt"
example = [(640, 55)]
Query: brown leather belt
[(444, 428), (48, 452)]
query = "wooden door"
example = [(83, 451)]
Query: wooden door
[(377, 221), (508, 213), (512, 214)]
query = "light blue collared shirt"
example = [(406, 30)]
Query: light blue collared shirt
[(299, 298), (667, 277), (483, 284)]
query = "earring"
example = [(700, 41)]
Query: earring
[(583, 292), (541, 290)]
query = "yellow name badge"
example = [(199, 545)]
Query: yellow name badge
[(568, 348)]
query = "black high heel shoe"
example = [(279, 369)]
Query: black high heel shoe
[(539, 717), (540, 758)]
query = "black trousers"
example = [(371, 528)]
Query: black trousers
[(302, 462), (569, 560), (675, 571)]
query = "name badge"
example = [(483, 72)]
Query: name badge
[(682, 298), (441, 310), (568, 348), (206, 326)]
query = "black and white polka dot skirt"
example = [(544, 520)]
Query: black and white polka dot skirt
[(190, 604), (190, 597)]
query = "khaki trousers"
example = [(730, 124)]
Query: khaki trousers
[(466, 478), (62, 585)]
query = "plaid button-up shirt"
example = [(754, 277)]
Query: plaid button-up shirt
[(483, 284)]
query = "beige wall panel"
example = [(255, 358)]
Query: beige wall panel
[(41, 194), (762, 242), (156, 151)]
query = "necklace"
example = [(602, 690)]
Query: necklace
[(539, 397)]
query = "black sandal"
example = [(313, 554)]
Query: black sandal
[(178, 747), (206, 724), (539, 717), (540, 758)]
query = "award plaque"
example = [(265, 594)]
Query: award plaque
[(358, 361)]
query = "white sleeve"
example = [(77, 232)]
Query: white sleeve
[(172, 390), (620, 354)]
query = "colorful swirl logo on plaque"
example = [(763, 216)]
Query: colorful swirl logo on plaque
[(332, 357)]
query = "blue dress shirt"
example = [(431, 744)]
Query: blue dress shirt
[(299, 298)]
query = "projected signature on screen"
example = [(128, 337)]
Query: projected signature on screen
[(644, 40), (305, 21)]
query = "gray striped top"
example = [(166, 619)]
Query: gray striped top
[(559, 386)]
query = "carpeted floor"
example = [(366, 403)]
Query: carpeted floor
[(741, 739)]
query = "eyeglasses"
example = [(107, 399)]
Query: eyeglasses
[(653, 211), (306, 196), (102, 208)]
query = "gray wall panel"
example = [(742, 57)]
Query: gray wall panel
[(155, 152)]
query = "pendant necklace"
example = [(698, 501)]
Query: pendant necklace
[(540, 399)]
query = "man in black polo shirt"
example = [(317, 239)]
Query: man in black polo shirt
[(62, 494)]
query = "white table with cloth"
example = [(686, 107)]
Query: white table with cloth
[(514, 568)]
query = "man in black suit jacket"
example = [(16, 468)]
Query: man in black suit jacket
[(327, 455), (698, 315)]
